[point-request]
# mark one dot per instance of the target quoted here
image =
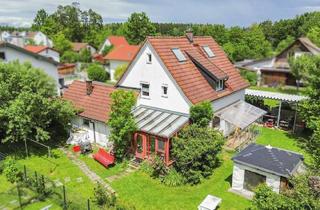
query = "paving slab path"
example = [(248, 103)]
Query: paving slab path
[(86, 170), (131, 168)]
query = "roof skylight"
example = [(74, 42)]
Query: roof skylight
[(208, 51), (177, 52)]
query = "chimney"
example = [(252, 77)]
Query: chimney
[(189, 35), (89, 87)]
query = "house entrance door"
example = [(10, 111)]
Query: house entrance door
[(140, 146)]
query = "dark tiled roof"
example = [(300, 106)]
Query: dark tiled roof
[(273, 160), (95, 106), (186, 73)]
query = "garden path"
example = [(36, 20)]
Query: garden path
[(85, 169)]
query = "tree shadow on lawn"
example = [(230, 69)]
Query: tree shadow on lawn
[(229, 179)]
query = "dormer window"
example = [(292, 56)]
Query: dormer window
[(149, 58), (219, 85), (177, 52), (208, 51)]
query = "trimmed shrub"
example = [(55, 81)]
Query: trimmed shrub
[(173, 178), (96, 72), (201, 114)]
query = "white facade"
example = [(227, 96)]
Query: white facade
[(156, 75), (49, 68), (106, 43), (42, 39), (51, 54), (4, 36), (113, 65), (272, 180), (97, 131)]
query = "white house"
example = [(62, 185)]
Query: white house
[(39, 38), (10, 52), (258, 164), (45, 51), (78, 46), (173, 73), (93, 101), (4, 36)]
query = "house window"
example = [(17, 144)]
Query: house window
[(149, 58), (86, 123), (219, 85), (252, 180), (145, 89), (2, 56), (177, 52), (164, 91), (208, 51), (160, 146)]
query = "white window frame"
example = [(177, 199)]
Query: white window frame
[(149, 58), (208, 51), (163, 94), (179, 54), (144, 89), (219, 85)]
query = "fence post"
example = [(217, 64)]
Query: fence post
[(19, 195), (64, 198), (25, 172), (36, 177), (88, 204), (43, 183)]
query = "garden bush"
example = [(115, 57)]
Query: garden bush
[(201, 114), (250, 76), (11, 171), (96, 72), (159, 168), (173, 178), (120, 71), (195, 151)]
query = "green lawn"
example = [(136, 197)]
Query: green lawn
[(281, 139), (59, 168)]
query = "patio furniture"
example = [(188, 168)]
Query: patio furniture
[(210, 203), (76, 148), (85, 147), (269, 123), (104, 157)]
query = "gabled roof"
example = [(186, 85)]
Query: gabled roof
[(266, 158), (117, 40), (23, 50), (309, 45), (187, 75), (35, 48), (77, 46), (95, 106), (122, 53)]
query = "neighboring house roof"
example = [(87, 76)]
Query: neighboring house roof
[(31, 34), (95, 106), (77, 46), (275, 95), (266, 158), (23, 50), (117, 40), (308, 44), (35, 48), (189, 78), (123, 53)]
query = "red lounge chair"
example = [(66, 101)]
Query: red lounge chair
[(76, 148), (104, 157)]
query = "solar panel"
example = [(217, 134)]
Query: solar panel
[(177, 52), (208, 51)]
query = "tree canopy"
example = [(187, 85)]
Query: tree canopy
[(201, 114), (97, 72), (29, 107)]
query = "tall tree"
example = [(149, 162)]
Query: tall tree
[(314, 35), (138, 27), (61, 43), (40, 20), (29, 108)]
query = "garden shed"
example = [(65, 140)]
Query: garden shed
[(257, 164)]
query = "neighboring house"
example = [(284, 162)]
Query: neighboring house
[(94, 103), (120, 55), (258, 164), (276, 70), (44, 50), (10, 52), (114, 41), (39, 38), (4, 36), (174, 73), (78, 46)]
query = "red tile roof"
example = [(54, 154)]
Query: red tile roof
[(95, 106), (35, 48), (123, 53), (117, 40), (187, 75)]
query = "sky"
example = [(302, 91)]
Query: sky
[(228, 12)]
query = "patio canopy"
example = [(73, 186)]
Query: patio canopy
[(241, 114), (275, 95), (159, 122)]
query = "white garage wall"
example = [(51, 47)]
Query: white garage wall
[(272, 180)]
